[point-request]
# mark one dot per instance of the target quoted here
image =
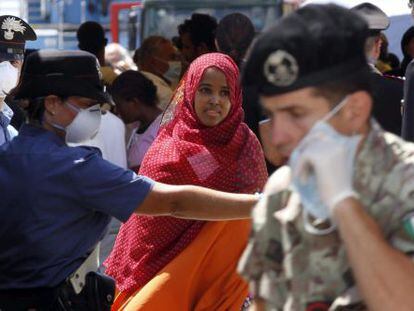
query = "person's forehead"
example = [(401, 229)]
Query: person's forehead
[(166, 49), (213, 75), (295, 98)]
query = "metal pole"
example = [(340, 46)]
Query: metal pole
[(83, 11), (24, 8), (61, 7)]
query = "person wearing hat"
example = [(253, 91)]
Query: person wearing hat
[(387, 90), (57, 200), (407, 131), (14, 32), (335, 227)]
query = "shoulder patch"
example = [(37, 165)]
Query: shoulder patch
[(408, 223)]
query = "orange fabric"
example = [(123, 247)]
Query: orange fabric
[(202, 277)]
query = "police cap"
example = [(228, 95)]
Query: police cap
[(376, 18), (61, 73), (14, 32), (312, 45)]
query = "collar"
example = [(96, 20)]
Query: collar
[(7, 112), (368, 164), (31, 131), (374, 69)]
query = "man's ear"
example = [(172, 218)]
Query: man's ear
[(358, 111)]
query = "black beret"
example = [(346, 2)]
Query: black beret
[(61, 73), (14, 32), (375, 17), (312, 45)]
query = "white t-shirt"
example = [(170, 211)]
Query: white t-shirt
[(139, 144)]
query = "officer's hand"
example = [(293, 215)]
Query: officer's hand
[(331, 159)]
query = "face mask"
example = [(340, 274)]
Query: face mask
[(308, 188), (173, 73), (84, 126), (8, 77)]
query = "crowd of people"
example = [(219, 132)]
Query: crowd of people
[(140, 181)]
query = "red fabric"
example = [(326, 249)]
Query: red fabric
[(226, 157)]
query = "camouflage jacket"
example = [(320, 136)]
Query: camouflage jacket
[(292, 269)]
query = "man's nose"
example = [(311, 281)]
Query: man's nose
[(279, 132)]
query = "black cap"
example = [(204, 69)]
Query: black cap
[(375, 17), (14, 32), (61, 73), (312, 45)]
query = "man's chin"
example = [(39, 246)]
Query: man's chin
[(284, 161)]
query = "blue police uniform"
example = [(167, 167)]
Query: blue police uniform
[(56, 203)]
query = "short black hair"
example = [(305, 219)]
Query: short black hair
[(235, 33), (405, 40), (91, 37), (132, 84), (334, 91), (201, 28)]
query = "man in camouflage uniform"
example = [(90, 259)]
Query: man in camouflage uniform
[(359, 256)]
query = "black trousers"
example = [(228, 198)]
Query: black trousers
[(60, 298)]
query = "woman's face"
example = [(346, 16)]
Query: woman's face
[(129, 110), (212, 98)]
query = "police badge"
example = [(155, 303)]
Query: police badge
[(281, 68), (12, 25)]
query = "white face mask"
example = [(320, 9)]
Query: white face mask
[(173, 73), (84, 126), (308, 189), (8, 77)]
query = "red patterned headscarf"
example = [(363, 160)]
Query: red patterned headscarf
[(226, 157)]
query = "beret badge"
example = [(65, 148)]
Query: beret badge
[(281, 68)]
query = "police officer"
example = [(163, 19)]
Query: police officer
[(408, 103), (14, 32), (335, 229), (387, 90), (57, 200)]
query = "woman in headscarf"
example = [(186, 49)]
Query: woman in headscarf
[(162, 263)]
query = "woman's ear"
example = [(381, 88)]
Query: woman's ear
[(358, 110), (52, 104)]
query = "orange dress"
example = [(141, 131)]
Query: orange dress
[(202, 277)]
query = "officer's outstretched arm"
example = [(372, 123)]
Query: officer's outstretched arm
[(194, 202)]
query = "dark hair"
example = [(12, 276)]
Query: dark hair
[(234, 34), (201, 28), (34, 108), (133, 84), (406, 38), (334, 91), (148, 48), (91, 37)]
